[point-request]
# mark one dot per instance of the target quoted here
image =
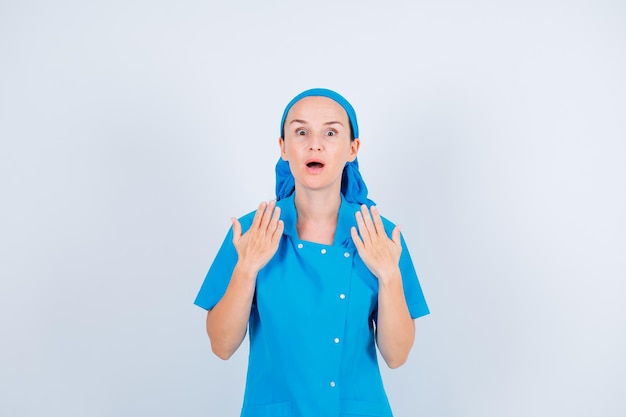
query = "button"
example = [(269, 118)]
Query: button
[(347, 254), (300, 245), (332, 384), (342, 296), (336, 340), (323, 251)]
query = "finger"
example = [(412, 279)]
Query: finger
[(365, 234), (275, 218), (274, 221), (236, 230), (367, 219), (267, 216), (395, 236), (378, 221), (256, 221), (356, 239), (278, 232)]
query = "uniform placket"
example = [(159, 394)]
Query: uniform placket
[(334, 266), (339, 266)]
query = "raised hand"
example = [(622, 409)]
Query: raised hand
[(380, 254), (258, 245)]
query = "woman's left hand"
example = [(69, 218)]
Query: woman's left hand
[(380, 254)]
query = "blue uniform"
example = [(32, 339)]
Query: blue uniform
[(311, 328)]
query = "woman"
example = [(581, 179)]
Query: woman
[(318, 276)]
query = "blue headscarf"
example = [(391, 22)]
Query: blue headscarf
[(353, 187)]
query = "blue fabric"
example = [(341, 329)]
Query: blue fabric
[(352, 185), (323, 92), (311, 327)]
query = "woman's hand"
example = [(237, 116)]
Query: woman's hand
[(380, 254), (227, 322), (395, 329), (258, 245)]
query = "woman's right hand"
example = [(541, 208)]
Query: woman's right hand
[(258, 245)]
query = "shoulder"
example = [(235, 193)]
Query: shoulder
[(355, 207), (287, 213), (389, 225), (246, 220)]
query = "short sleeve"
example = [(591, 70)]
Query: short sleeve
[(218, 277), (412, 289)]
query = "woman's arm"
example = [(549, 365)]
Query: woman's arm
[(226, 323), (395, 331)]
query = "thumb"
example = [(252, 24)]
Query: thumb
[(236, 230)]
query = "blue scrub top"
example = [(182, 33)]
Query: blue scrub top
[(311, 328)]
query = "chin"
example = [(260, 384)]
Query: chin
[(317, 185)]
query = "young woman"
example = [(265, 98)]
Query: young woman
[(318, 277)]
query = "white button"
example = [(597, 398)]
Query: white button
[(336, 340), (323, 251), (332, 384), (347, 254), (342, 296), (300, 245)]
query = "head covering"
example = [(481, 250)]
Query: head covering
[(353, 187)]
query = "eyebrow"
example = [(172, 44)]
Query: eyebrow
[(304, 122)]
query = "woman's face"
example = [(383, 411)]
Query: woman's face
[(317, 143)]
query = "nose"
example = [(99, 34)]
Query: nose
[(316, 143)]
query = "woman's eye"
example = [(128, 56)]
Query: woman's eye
[(301, 132), (330, 133)]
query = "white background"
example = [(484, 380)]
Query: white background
[(493, 132)]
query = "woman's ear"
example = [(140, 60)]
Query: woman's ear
[(354, 149), (283, 152)]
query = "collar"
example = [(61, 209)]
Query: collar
[(345, 220)]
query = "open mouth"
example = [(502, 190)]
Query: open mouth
[(315, 164)]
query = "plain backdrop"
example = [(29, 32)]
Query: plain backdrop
[(493, 132)]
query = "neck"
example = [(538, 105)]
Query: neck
[(317, 206), (317, 215)]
